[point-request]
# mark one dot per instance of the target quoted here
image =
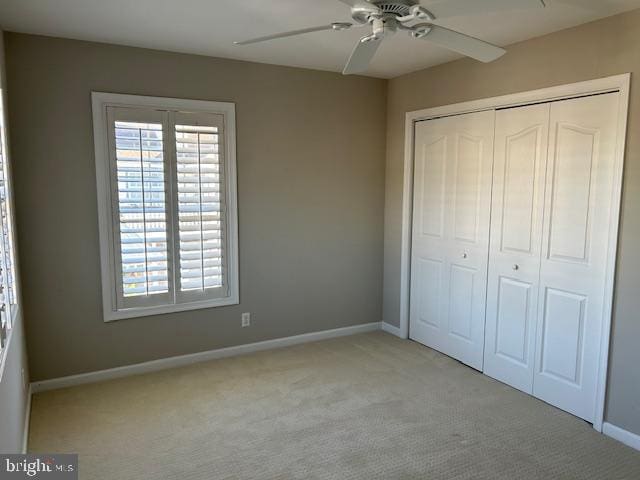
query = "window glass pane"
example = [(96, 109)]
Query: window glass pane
[(9, 295), (142, 208), (200, 207)]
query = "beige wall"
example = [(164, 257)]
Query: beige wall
[(606, 47), (310, 189), (14, 375)]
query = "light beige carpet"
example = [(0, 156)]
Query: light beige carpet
[(363, 407)]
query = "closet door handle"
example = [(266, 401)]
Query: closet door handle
[(464, 255), (516, 266)]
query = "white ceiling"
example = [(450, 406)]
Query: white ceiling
[(209, 27)]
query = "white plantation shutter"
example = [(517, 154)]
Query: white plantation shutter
[(169, 230), (200, 205), (141, 206)]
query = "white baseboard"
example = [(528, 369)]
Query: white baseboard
[(630, 439), (27, 421), (183, 360), (392, 329)]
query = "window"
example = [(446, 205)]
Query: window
[(167, 204), (8, 285)]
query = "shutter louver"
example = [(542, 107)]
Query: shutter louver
[(200, 207), (140, 171)]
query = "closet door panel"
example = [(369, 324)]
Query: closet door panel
[(461, 295), (518, 175), (452, 185), (429, 281), (431, 167), (563, 322), (578, 202), (516, 235), (571, 191), (467, 188), (513, 322)]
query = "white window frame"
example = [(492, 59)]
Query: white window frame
[(12, 310), (100, 103)]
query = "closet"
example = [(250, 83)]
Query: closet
[(510, 237)]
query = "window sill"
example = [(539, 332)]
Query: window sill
[(112, 316)]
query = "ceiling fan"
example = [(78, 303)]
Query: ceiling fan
[(388, 16)]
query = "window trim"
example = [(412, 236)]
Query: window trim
[(100, 101)]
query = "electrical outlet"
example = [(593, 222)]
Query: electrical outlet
[(246, 319)]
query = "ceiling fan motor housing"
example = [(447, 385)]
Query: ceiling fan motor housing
[(366, 10)]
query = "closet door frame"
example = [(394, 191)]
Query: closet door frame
[(613, 84)]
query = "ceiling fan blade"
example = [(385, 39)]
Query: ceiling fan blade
[(454, 8), (293, 33), (464, 44), (361, 56)]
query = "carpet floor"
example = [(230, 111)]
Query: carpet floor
[(367, 406)]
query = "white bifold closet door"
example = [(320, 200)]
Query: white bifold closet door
[(451, 213), (552, 198), (573, 269), (516, 241)]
